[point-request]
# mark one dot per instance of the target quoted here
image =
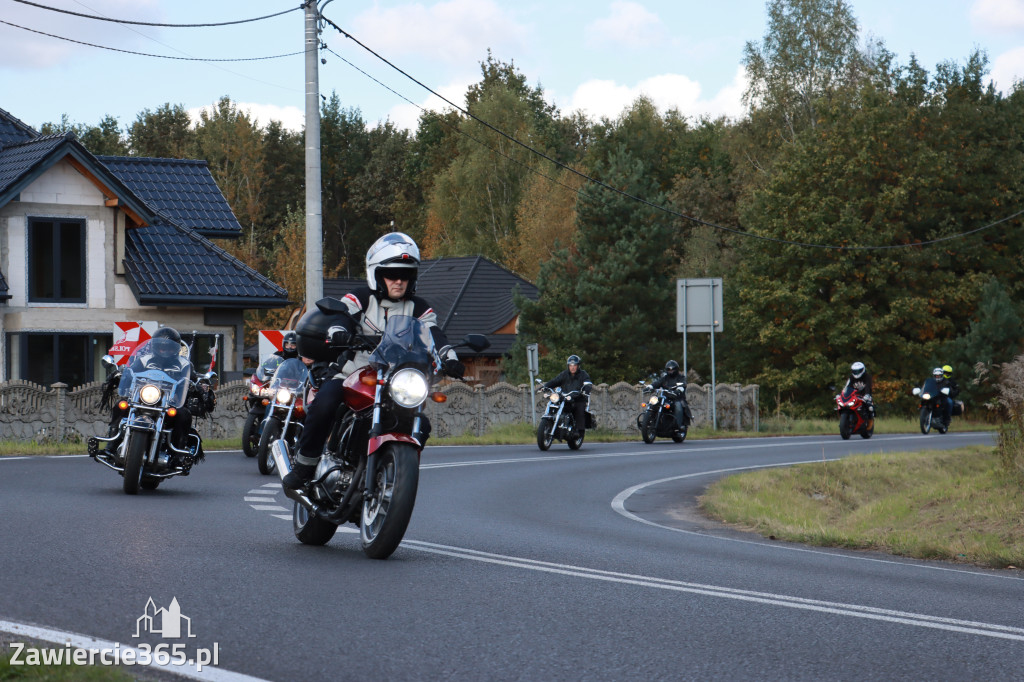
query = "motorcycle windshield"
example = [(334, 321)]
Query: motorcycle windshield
[(291, 374), (406, 341), (849, 392), (268, 366), (157, 362), (931, 387)]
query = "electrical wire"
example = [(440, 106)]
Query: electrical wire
[(663, 209), (149, 23), (147, 54)]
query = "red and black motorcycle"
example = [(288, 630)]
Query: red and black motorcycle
[(855, 415), (369, 471)]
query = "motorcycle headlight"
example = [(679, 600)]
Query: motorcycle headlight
[(926, 396), (284, 396), (150, 394), (554, 397), (409, 387), (654, 400), (253, 388)]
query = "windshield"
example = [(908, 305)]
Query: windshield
[(267, 367), (930, 386), (157, 362), (406, 341), (291, 374)]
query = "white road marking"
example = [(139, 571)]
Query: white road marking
[(268, 507), (835, 608), (260, 499), (60, 637)]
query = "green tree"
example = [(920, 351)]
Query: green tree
[(104, 139), (344, 151), (165, 133)]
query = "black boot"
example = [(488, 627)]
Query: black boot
[(299, 476)]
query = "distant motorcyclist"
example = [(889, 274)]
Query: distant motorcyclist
[(860, 381), (289, 346), (673, 380), (574, 378), (946, 380)]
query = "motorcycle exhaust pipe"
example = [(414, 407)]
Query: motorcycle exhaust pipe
[(279, 451)]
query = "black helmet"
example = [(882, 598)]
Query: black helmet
[(290, 339), (573, 360), (166, 343), (671, 366)]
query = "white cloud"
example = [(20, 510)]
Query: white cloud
[(602, 98), (407, 115), (629, 24), (1008, 68), (292, 118), (453, 31), (22, 48), (1000, 16)]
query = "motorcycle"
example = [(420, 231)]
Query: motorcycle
[(370, 473), (145, 455), (932, 410), (657, 418), (287, 410), (855, 416), (559, 421), (256, 402)]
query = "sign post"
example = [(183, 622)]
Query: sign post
[(699, 309), (533, 367)]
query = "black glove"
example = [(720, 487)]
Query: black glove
[(454, 368), (339, 337)]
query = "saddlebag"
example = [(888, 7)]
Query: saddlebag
[(591, 421), (958, 408)]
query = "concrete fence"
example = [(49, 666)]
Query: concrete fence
[(32, 412)]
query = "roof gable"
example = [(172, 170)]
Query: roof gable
[(183, 190), (14, 131)]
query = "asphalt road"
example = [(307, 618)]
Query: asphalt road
[(518, 565)]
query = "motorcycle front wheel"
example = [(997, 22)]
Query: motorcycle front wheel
[(845, 425), (136, 450), (386, 515), (926, 420), (311, 530), (264, 458), (250, 434), (650, 428), (545, 434)]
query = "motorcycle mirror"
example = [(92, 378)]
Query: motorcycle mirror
[(331, 306), (108, 361), (916, 391), (477, 342)]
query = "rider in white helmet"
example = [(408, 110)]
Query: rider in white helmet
[(860, 380), (392, 264)]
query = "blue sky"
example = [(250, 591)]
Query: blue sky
[(597, 56)]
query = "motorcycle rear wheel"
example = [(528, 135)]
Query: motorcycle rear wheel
[(868, 430), (386, 515), (545, 434), (575, 441), (680, 435), (649, 429), (264, 458), (311, 530), (136, 450), (250, 434), (150, 483), (926, 420), (845, 425)]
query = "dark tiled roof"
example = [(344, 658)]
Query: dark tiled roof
[(183, 190), (470, 294), (169, 265), (13, 131), (4, 295), (20, 159), (339, 286)]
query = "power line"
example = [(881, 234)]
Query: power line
[(658, 207), (147, 54), (149, 23)]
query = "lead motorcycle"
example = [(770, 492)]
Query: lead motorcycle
[(289, 390), (145, 456), (855, 415), (559, 420), (657, 418), (369, 471)]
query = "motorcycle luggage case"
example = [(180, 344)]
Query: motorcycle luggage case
[(312, 331), (592, 421)]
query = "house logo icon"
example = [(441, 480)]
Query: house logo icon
[(164, 622)]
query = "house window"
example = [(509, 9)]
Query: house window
[(56, 260), (46, 358)]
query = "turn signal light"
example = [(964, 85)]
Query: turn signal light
[(368, 380), (123, 405), (172, 412), (438, 397)]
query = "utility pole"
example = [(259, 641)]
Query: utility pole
[(314, 215)]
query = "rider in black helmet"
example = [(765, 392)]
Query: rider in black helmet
[(673, 379), (574, 378)]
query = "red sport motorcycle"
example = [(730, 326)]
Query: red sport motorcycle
[(369, 471), (855, 415)]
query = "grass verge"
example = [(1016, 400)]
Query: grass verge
[(61, 673), (954, 505)]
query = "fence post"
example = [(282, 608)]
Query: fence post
[(61, 421)]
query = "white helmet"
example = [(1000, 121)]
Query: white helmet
[(857, 370), (396, 253), (937, 372)]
